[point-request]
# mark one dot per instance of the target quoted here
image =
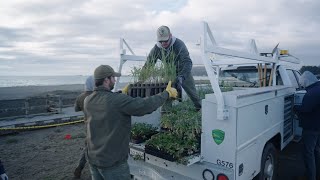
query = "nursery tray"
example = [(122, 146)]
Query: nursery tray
[(137, 141), (158, 153), (137, 150)]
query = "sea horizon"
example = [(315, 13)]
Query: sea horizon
[(22, 81)]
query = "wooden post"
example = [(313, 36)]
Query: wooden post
[(261, 75), (265, 75), (271, 75)]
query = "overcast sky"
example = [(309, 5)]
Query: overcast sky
[(72, 37)]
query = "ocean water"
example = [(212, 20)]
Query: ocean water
[(14, 81)]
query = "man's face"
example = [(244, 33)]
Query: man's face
[(110, 82), (165, 44)]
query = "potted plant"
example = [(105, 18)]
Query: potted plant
[(182, 138), (169, 146), (140, 132)]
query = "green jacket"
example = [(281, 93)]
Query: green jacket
[(78, 105), (182, 59), (109, 123)]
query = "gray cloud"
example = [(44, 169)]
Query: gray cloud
[(72, 37)]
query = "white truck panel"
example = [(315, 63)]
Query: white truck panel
[(210, 150), (255, 116)]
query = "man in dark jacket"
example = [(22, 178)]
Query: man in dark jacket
[(170, 46), (78, 106), (309, 112), (3, 175), (109, 124)]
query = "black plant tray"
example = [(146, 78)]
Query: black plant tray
[(140, 139), (137, 141), (158, 153)]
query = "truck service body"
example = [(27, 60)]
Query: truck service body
[(242, 130)]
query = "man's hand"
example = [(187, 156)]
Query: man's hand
[(179, 82), (4, 176), (173, 93), (125, 89)]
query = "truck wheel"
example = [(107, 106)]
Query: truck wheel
[(269, 163)]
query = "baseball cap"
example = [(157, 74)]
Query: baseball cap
[(104, 71), (163, 33)]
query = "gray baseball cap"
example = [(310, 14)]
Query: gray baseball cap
[(163, 33)]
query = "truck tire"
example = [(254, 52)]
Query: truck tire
[(269, 163)]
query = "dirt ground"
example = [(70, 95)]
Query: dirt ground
[(45, 154)]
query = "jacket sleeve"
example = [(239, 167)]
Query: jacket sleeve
[(151, 60), (153, 55), (140, 106), (2, 171), (309, 103), (77, 105), (185, 63)]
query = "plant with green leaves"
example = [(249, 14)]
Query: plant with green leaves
[(171, 144), (156, 72), (142, 131)]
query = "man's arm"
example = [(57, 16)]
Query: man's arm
[(141, 106), (184, 61), (151, 60), (153, 55), (309, 103), (77, 105)]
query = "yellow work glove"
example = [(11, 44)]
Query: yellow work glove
[(173, 93), (125, 89)]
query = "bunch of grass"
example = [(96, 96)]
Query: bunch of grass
[(157, 72)]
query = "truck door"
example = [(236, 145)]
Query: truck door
[(294, 78)]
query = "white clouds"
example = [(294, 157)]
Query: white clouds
[(88, 31)]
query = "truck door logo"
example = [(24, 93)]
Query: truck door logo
[(218, 136)]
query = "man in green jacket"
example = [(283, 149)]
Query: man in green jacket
[(170, 48), (109, 124)]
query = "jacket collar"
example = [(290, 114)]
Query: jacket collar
[(101, 88)]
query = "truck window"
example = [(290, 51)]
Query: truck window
[(279, 79), (240, 77), (293, 78), (298, 75)]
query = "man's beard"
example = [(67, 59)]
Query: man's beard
[(111, 86)]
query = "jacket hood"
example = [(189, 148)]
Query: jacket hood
[(89, 85), (307, 79)]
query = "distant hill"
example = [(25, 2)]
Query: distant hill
[(199, 71)]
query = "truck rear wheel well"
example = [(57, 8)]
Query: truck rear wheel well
[(276, 141)]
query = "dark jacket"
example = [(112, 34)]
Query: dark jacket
[(109, 123), (309, 110), (2, 171), (182, 60), (79, 104)]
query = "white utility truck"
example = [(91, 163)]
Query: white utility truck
[(242, 130)]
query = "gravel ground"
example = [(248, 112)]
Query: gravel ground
[(45, 154)]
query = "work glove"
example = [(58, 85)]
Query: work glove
[(4, 176), (125, 89), (173, 93), (179, 82)]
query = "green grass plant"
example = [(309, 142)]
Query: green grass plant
[(156, 72)]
